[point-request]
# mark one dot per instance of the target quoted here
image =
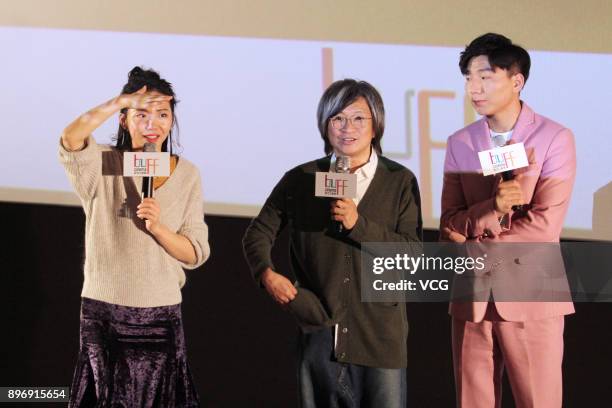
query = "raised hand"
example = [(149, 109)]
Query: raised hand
[(141, 99), (76, 133)]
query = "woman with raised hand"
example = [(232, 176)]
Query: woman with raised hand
[(132, 347)]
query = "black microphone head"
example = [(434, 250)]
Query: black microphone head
[(343, 164), (149, 147)]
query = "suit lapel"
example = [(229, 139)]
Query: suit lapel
[(481, 139), (523, 127)]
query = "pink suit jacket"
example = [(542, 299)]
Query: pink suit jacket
[(468, 201)]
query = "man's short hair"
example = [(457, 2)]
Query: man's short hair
[(500, 51), (341, 94)]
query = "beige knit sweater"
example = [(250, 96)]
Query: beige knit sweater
[(124, 264)]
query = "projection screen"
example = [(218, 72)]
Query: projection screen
[(247, 109)]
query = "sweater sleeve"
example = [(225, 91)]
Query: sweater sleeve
[(83, 168), (264, 229), (409, 224), (194, 228)]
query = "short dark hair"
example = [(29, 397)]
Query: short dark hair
[(137, 78), (500, 51), (341, 94)]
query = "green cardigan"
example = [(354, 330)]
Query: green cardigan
[(328, 265)]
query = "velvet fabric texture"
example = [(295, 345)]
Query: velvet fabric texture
[(131, 357)]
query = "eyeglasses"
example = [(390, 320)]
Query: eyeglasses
[(339, 122)]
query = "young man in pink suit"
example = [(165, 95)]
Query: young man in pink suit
[(525, 337)]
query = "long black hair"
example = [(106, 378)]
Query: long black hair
[(137, 78)]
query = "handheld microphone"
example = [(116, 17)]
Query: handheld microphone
[(500, 141), (343, 165), (147, 182)]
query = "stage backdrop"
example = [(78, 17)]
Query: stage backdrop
[(247, 108), (249, 74)]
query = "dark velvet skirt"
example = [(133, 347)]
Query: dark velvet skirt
[(131, 357)]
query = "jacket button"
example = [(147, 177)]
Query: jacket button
[(347, 280), (344, 330)]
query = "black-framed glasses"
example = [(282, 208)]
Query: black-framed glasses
[(339, 122)]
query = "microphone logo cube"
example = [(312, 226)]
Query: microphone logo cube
[(335, 185), (500, 159), (146, 164)]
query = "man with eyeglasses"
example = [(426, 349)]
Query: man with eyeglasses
[(352, 353)]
